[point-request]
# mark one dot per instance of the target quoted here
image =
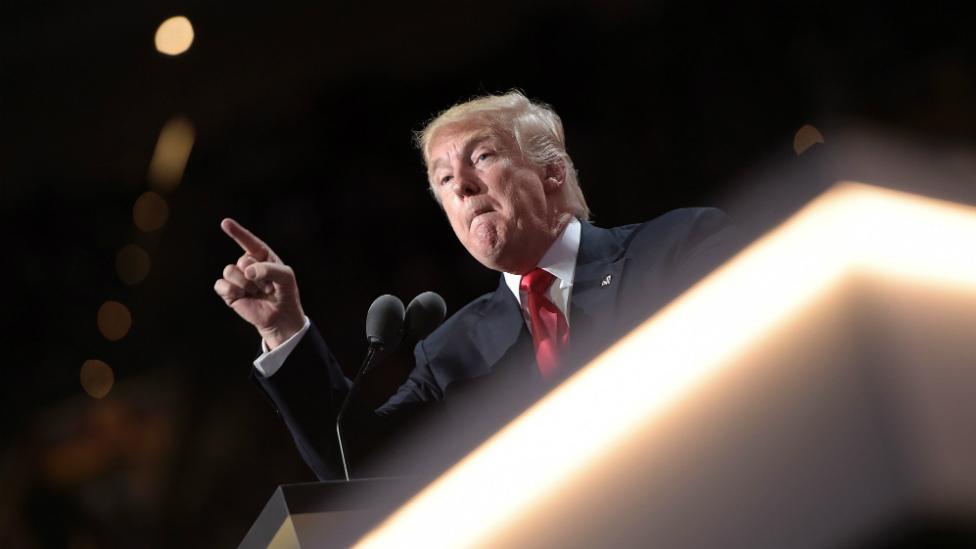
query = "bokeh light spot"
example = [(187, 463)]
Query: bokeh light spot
[(174, 35), (114, 320), (806, 137), (150, 212), (132, 264), (172, 152), (96, 378)]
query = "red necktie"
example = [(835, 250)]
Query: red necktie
[(550, 333)]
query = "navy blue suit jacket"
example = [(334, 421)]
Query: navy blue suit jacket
[(477, 370)]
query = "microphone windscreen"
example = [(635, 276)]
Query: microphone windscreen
[(424, 313), (384, 321)]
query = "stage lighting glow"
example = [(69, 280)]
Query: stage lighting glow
[(174, 36), (96, 378), (806, 137), (114, 320), (171, 154), (132, 264), (849, 229), (150, 212)]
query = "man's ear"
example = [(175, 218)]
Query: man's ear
[(554, 177)]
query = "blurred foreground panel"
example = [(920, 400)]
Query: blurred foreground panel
[(814, 392)]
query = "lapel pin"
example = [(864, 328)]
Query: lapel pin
[(606, 281)]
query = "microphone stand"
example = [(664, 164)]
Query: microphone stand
[(374, 351)]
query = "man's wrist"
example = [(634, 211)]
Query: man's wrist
[(275, 336), (271, 361)]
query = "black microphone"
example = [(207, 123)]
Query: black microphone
[(384, 325), (384, 330), (424, 313)]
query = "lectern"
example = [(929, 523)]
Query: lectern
[(325, 514)]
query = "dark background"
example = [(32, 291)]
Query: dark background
[(304, 117)]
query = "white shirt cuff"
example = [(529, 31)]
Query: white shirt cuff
[(270, 361)]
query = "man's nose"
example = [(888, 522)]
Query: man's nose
[(465, 184)]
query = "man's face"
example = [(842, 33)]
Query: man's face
[(499, 204)]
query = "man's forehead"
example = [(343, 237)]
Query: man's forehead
[(457, 138)]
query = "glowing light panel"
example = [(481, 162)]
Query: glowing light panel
[(851, 228)]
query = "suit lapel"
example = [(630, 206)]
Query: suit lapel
[(599, 267), (499, 327)]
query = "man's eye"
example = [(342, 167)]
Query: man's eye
[(446, 179), (483, 156)]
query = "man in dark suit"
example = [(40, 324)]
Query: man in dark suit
[(498, 166)]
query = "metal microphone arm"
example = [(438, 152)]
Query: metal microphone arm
[(375, 349)]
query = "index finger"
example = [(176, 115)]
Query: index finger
[(251, 244)]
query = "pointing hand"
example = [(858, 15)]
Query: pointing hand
[(261, 288)]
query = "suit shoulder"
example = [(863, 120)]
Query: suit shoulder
[(685, 220), (677, 227)]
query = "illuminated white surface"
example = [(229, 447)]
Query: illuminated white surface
[(852, 228)]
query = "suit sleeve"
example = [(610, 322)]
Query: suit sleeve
[(308, 390), (420, 388), (307, 393)]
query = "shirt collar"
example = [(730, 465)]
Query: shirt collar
[(559, 259)]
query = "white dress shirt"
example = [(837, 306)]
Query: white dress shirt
[(559, 259)]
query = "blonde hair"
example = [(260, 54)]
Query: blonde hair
[(535, 128)]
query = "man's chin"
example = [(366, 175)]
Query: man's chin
[(487, 258), (502, 262), (493, 252), (488, 254)]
